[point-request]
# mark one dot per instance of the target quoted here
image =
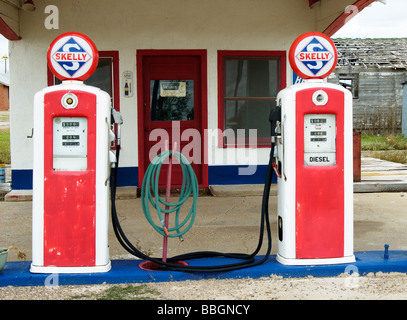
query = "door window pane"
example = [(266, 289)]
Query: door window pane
[(172, 100)]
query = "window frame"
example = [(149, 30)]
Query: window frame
[(224, 55), (354, 86)]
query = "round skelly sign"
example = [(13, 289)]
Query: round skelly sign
[(313, 55), (72, 56)]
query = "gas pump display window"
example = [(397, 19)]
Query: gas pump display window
[(70, 144), (319, 139)]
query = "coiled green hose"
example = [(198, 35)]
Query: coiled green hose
[(150, 195), (249, 260)]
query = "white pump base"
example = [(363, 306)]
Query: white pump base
[(306, 262), (51, 269)]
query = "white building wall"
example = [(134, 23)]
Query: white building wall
[(129, 25)]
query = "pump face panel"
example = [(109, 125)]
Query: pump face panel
[(319, 176), (69, 180)]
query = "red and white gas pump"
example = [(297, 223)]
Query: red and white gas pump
[(71, 168), (314, 155)]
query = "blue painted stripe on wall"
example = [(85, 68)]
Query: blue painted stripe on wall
[(222, 175), (128, 176), (23, 179)]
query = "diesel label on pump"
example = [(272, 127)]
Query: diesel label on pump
[(319, 139)]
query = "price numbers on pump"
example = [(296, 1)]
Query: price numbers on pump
[(70, 124), (316, 121)]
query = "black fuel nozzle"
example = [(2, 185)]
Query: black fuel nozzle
[(116, 118), (275, 119)]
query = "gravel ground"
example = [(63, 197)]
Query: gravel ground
[(379, 286)]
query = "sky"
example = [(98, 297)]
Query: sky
[(376, 21)]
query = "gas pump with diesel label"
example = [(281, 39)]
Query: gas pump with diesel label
[(72, 157), (313, 158)]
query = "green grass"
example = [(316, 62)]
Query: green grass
[(121, 292), (390, 148), (5, 146), (380, 143)]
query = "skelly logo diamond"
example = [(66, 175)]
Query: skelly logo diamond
[(315, 56), (71, 56)]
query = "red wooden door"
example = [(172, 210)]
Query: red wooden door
[(172, 111)]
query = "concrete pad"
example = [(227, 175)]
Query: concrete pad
[(123, 193), (376, 176), (223, 224), (242, 190), (18, 195), (226, 223), (381, 176)]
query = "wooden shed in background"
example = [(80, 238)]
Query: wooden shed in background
[(375, 71)]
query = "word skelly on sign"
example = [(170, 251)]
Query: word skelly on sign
[(313, 55), (316, 56), (72, 56)]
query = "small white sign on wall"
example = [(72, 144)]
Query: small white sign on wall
[(127, 84)]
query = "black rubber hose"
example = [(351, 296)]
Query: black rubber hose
[(249, 258)]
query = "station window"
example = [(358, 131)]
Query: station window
[(248, 85)]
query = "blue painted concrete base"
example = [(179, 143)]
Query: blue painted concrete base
[(128, 271)]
